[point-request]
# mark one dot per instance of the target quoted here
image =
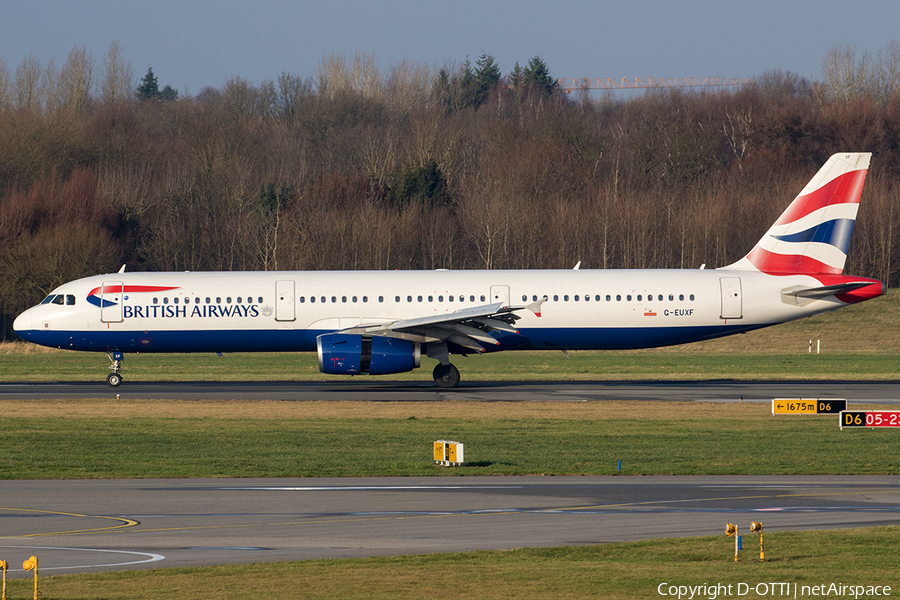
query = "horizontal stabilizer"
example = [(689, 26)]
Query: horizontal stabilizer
[(825, 291)]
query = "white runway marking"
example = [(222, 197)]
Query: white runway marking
[(150, 557)]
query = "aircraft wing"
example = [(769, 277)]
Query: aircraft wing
[(466, 327)]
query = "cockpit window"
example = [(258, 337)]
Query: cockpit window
[(67, 299)]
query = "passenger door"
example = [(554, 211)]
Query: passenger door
[(285, 307), (111, 298), (732, 305)]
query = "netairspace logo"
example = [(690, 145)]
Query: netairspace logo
[(771, 590)]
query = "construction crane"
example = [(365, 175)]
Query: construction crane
[(629, 83)]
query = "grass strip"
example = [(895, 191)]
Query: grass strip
[(139, 439), (852, 557)]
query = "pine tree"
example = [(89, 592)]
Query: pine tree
[(149, 87), (537, 76)]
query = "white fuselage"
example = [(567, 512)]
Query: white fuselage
[(268, 311)]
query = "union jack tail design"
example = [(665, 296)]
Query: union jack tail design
[(812, 235)]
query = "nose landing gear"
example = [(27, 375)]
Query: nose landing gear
[(114, 379)]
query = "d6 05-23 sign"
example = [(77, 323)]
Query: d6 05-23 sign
[(870, 418)]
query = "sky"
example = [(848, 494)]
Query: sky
[(192, 44)]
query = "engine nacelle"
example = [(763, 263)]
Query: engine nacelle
[(351, 354)]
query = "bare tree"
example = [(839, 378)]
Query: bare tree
[(6, 90), (28, 81), (847, 78), (76, 79), (118, 81)]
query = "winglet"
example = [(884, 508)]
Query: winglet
[(535, 306)]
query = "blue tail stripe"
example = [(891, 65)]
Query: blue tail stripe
[(836, 233)]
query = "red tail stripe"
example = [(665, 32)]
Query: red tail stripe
[(845, 189), (771, 263)]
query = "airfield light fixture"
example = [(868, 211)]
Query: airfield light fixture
[(29, 565), (3, 566), (732, 530), (757, 527)]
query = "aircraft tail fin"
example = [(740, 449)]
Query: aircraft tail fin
[(813, 233)]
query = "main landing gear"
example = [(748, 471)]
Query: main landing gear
[(446, 376), (114, 379)]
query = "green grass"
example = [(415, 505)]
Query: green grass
[(866, 557), (133, 439)]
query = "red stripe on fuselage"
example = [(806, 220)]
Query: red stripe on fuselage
[(108, 289)]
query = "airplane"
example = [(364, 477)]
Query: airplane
[(381, 322)]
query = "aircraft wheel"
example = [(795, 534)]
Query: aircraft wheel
[(114, 380), (446, 376)]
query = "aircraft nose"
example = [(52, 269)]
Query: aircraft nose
[(22, 323)]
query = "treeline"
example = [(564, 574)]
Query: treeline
[(417, 167)]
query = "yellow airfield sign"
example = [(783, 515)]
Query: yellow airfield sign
[(808, 406)]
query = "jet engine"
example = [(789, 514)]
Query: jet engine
[(351, 354)]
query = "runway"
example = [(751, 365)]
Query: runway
[(102, 525), (372, 390)]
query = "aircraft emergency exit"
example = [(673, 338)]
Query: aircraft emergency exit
[(381, 322)]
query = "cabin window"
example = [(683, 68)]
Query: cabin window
[(431, 298), (409, 298), (671, 297), (471, 298), (608, 298), (344, 299), (334, 299), (353, 299), (618, 297), (440, 298), (208, 300), (396, 298), (312, 299), (238, 300), (681, 297), (323, 299), (175, 300), (260, 300), (628, 297), (555, 298), (365, 299), (302, 299), (692, 297), (462, 298), (419, 298), (155, 300), (597, 297), (218, 300), (450, 298), (639, 298), (482, 297)]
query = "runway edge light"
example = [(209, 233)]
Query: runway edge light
[(32, 564), (3, 567), (757, 527), (732, 530)]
